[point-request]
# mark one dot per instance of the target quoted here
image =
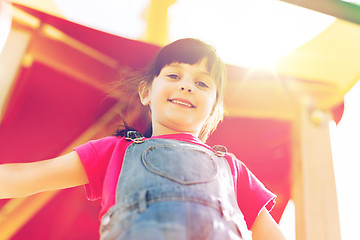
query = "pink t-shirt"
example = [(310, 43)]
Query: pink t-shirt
[(102, 160)]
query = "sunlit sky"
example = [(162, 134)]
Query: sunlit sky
[(247, 33)]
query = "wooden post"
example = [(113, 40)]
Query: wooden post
[(157, 21), (10, 61), (314, 190)]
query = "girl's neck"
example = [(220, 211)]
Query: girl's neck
[(161, 130)]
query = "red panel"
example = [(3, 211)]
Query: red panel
[(337, 112), (47, 111), (68, 216), (264, 145)]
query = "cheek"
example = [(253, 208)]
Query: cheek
[(158, 98), (209, 102), (213, 100)]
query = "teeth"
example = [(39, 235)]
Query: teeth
[(181, 103)]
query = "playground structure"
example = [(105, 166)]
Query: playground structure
[(55, 78)]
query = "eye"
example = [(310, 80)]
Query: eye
[(173, 76), (202, 84)]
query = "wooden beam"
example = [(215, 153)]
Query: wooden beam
[(17, 212), (331, 58), (47, 6), (266, 94), (313, 189)]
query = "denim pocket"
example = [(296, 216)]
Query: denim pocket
[(184, 164)]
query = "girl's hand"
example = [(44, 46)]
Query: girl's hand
[(265, 227), (23, 179)]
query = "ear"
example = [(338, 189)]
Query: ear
[(144, 93)]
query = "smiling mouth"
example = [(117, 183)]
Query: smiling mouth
[(182, 103)]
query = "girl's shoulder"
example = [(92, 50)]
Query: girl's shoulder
[(107, 143), (108, 140)]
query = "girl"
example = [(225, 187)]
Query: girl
[(171, 185)]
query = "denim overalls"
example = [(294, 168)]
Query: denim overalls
[(173, 190)]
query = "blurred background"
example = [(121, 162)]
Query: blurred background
[(292, 101)]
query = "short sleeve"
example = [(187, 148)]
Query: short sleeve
[(95, 156), (252, 195)]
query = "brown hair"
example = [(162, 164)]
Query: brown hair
[(189, 51)]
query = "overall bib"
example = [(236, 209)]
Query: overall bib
[(174, 190)]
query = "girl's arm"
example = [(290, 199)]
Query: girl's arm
[(23, 179), (265, 227)]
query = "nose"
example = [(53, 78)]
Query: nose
[(187, 89), (186, 85)]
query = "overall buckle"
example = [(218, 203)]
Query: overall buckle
[(135, 136)]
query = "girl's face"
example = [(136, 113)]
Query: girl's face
[(181, 98)]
